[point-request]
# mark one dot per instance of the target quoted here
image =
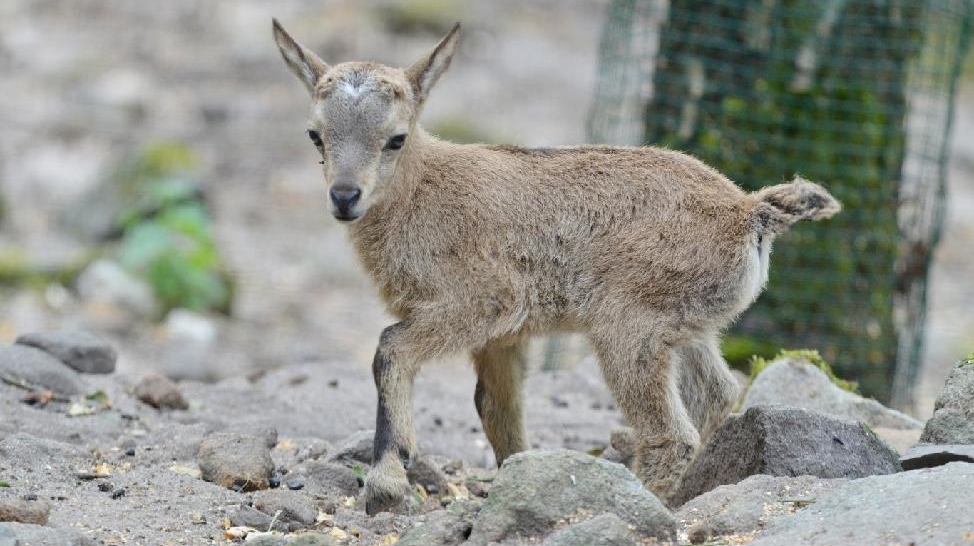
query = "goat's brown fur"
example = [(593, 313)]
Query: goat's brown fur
[(475, 248)]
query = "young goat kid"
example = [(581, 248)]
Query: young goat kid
[(475, 248)]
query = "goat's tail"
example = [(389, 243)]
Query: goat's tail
[(782, 205)]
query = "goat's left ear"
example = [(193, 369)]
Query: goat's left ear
[(424, 73), (307, 66)]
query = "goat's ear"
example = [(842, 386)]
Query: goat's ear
[(424, 73), (301, 60)]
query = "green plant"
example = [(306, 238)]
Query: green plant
[(167, 236), (758, 364)]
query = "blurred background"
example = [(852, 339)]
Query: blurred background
[(157, 187)]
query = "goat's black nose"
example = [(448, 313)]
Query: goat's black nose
[(344, 198)]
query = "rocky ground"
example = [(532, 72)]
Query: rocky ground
[(91, 456), (281, 390)]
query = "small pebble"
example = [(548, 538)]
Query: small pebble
[(438, 421), (30, 497), (295, 484), (118, 493), (333, 383), (274, 481), (130, 452), (105, 487), (197, 518)]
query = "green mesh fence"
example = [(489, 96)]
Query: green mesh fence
[(856, 94)]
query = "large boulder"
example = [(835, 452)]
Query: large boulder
[(34, 369), (535, 490), (929, 506), (800, 383), (747, 507), (785, 442), (82, 351), (953, 415)]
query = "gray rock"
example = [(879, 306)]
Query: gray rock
[(296, 509), (83, 351), (235, 461), (535, 490), (267, 540), (442, 527), (929, 506), (748, 506), (785, 442), (160, 392), (426, 473), (953, 415), (34, 369), (302, 539), (327, 478), (602, 530), (248, 516), (39, 535), (22, 511), (356, 448), (798, 383), (930, 455)]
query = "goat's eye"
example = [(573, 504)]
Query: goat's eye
[(315, 138), (396, 142)]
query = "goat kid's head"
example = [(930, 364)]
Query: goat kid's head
[(361, 117)]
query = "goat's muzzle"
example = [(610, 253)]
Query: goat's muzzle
[(344, 197)]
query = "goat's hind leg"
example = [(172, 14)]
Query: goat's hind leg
[(707, 387), (500, 374), (642, 378)]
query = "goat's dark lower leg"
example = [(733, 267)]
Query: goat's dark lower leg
[(395, 437)]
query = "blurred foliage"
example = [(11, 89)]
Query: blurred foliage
[(460, 130), (766, 91), (740, 350), (17, 270), (420, 16), (167, 236)]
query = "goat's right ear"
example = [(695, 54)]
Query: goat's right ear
[(301, 60)]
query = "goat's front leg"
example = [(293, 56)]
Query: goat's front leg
[(394, 367)]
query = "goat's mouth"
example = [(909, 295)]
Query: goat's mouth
[(346, 217)]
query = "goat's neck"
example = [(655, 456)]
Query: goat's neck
[(386, 219)]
